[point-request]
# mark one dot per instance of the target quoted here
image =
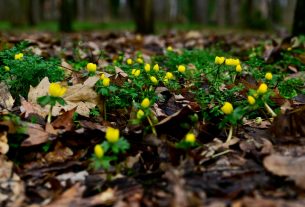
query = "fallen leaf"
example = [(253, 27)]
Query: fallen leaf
[(60, 154), (4, 147), (37, 135), (6, 99), (32, 108), (65, 120), (292, 167)]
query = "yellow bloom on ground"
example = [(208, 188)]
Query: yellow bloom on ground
[(169, 75), (19, 56), (112, 135), (133, 71), (227, 108), (262, 88), (268, 76), (219, 60), (156, 68), (169, 48), (106, 82), (147, 67), (181, 68), (232, 62), (91, 67), (140, 114), (98, 151), (145, 103), (190, 137), (137, 73), (154, 80), (140, 60), (102, 76), (251, 100), (56, 90), (289, 48), (238, 68), (6, 68), (129, 61)]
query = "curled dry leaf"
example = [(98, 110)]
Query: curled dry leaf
[(37, 135), (6, 99), (292, 167), (4, 147), (65, 120)]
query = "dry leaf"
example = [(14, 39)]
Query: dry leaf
[(4, 147), (292, 167), (37, 135), (65, 121), (40, 90), (32, 108), (60, 154), (6, 99)]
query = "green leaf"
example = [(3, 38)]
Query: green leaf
[(61, 101), (44, 100)]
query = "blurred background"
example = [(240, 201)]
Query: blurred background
[(147, 16)]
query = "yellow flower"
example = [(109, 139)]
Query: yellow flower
[(147, 67), (112, 135), (106, 82), (133, 71), (232, 62), (262, 88), (268, 76), (238, 68), (190, 137), (181, 68), (169, 75), (169, 48), (154, 80), (19, 56), (102, 76), (227, 108), (6, 68), (140, 60), (289, 48), (137, 73), (156, 67), (219, 60), (56, 90), (91, 67), (140, 114), (98, 151), (251, 100), (129, 61), (165, 80), (145, 103)]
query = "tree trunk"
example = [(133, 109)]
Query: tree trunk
[(299, 19), (144, 15), (66, 16)]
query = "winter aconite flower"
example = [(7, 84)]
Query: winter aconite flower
[(227, 108), (140, 60), (232, 62), (102, 77), (190, 137), (251, 100), (262, 88), (219, 60), (6, 68), (169, 48), (112, 135), (268, 76), (140, 114), (154, 80), (156, 68), (147, 67), (169, 75), (56, 90), (98, 151), (181, 68), (238, 68), (19, 56), (91, 67), (129, 61), (145, 103), (106, 82)]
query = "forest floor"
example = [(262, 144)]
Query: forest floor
[(174, 118)]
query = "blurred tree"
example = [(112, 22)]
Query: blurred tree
[(34, 11), (66, 15), (114, 8), (143, 13), (299, 19)]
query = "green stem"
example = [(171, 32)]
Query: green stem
[(230, 134), (269, 110), (152, 126), (50, 115)]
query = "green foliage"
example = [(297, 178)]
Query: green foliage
[(290, 88), (26, 72)]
